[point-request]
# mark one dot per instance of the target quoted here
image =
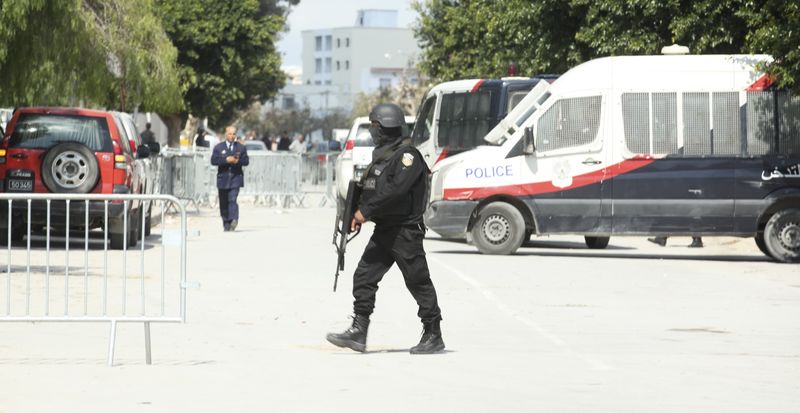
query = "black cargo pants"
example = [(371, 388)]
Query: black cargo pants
[(401, 245)]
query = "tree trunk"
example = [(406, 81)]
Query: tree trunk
[(173, 123)]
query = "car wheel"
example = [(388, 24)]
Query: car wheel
[(500, 229), (148, 222), (782, 235), (70, 167), (596, 243), (762, 246), (134, 228), (17, 234)]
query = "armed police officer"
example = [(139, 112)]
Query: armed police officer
[(394, 190)]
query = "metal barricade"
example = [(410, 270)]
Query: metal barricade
[(102, 289), (318, 175), (273, 178), (188, 176)]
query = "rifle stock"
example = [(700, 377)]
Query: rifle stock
[(341, 234)]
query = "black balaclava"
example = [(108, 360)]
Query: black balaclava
[(382, 136)]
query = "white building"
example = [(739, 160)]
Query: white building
[(338, 63)]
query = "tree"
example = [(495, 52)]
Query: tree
[(83, 52), (226, 52), (477, 38)]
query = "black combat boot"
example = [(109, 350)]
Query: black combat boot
[(355, 337), (431, 341)]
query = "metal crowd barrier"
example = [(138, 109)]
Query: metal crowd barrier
[(319, 175), (283, 179), (102, 289), (188, 176), (273, 178)]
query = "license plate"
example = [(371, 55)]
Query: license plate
[(19, 180), (17, 185)]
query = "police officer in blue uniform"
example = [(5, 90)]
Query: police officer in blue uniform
[(394, 190), (229, 156)]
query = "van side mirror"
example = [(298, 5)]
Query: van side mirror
[(154, 147), (528, 145), (142, 152)]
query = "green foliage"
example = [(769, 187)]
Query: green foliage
[(774, 28), (59, 53), (226, 53), (478, 38)]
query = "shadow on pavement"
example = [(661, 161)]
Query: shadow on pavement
[(644, 256)]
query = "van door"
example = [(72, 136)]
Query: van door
[(568, 166), (424, 128), (678, 175)]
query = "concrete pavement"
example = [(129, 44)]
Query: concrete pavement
[(557, 327)]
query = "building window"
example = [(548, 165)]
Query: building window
[(338, 42), (288, 102), (385, 83), (328, 42), (338, 65), (317, 65), (327, 65), (346, 65), (318, 43), (317, 82), (347, 42), (327, 82)]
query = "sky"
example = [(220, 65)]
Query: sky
[(325, 14)]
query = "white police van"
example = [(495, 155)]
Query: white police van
[(634, 145), (455, 116)]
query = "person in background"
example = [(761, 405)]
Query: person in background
[(298, 146), (148, 137), (200, 140), (229, 156), (284, 142), (697, 242), (273, 144)]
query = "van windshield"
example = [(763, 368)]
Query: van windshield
[(41, 131)]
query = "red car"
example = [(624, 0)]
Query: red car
[(69, 150)]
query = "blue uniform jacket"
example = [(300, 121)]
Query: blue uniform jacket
[(229, 176)]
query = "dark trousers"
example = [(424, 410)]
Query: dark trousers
[(228, 208), (401, 245)]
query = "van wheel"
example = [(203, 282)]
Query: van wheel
[(762, 246), (70, 167), (596, 243), (782, 235), (500, 229)]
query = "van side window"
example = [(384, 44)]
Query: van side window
[(762, 128), (570, 122), (711, 124), (424, 122), (464, 119), (637, 122)]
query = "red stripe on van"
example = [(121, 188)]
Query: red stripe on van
[(763, 83), (477, 86), (535, 188)]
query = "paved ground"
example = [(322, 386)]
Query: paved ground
[(632, 328)]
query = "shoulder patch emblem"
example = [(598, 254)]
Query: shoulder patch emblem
[(408, 159)]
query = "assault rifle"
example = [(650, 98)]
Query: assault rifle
[(342, 230)]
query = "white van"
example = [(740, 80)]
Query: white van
[(455, 116), (634, 145), (357, 153)]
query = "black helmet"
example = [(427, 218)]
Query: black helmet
[(388, 115)]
